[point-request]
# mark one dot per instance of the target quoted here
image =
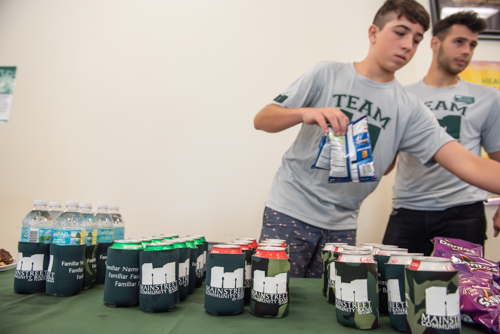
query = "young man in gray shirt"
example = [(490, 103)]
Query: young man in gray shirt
[(302, 207), (432, 202)]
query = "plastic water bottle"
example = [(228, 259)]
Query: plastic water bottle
[(69, 228), (105, 227), (90, 223), (118, 222), (55, 209), (37, 225)]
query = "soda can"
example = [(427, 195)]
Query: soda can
[(371, 245), (376, 250), (121, 287), (356, 290), (274, 241), (157, 238), (330, 269), (246, 248), (226, 249), (193, 260), (270, 283), (326, 253), (170, 236), (252, 240), (432, 296), (159, 291), (382, 258), (146, 241), (395, 277)]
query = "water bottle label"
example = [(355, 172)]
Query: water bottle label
[(91, 237), (36, 235), (68, 237), (105, 235), (45, 235), (119, 233)]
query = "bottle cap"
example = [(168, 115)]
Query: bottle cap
[(55, 204), (85, 205), (71, 203), (39, 202), (102, 206), (114, 207)]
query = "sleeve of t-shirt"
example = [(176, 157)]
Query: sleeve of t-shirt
[(305, 89), (490, 133), (423, 135)]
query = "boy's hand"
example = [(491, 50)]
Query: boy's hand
[(321, 116), (496, 222)]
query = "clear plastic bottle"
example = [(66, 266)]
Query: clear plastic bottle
[(118, 221), (105, 227), (37, 225), (69, 228), (90, 223), (55, 209)]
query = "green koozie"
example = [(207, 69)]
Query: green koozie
[(395, 276), (159, 273), (90, 266), (31, 267), (356, 292), (121, 287), (65, 271), (224, 290), (331, 274), (101, 258), (270, 287), (433, 302)]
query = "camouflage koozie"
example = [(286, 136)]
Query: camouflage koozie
[(159, 291), (101, 258), (121, 287), (330, 275), (324, 275), (32, 264), (205, 254), (270, 287), (248, 274), (395, 277), (183, 277), (433, 302), (90, 266), (193, 268), (65, 272), (356, 292), (382, 282), (224, 289)]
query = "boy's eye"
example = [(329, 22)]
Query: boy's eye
[(399, 33)]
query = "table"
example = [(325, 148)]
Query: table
[(86, 313)]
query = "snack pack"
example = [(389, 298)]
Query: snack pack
[(348, 158), (479, 281)]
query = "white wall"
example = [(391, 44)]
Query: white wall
[(150, 105)]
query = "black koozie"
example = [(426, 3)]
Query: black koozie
[(31, 267), (90, 266), (121, 287), (193, 256), (225, 285), (248, 274), (183, 277), (200, 265), (65, 272), (101, 258), (159, 273)]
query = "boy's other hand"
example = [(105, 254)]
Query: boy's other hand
[(321, 116)]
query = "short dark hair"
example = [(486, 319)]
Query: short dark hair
[(410, 9), (467, 18)]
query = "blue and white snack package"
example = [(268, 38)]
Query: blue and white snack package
[(348, 158)]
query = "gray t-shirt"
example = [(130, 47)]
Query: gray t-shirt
[(397, 122), (470, 113)]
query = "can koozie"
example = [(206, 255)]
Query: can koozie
[(193, 259), (225, 284), (356, 292), (122, 273), (90, 266), (65, 272), (270, 287), (101, 258), (248, 274), (395, 278), (183, 279), (382, 282), (324, 275), (205, 254), (158, 285), (331, 274), (433, 302), (32, 264), (200, 265)]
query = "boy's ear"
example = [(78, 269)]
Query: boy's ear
[(435, 42), (372, 33)]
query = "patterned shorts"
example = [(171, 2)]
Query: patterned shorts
[(305, 241)]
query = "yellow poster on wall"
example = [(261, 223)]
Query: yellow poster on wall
[(484, 73)]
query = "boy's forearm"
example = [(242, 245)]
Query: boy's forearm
[(480, 172), (273, 118)]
